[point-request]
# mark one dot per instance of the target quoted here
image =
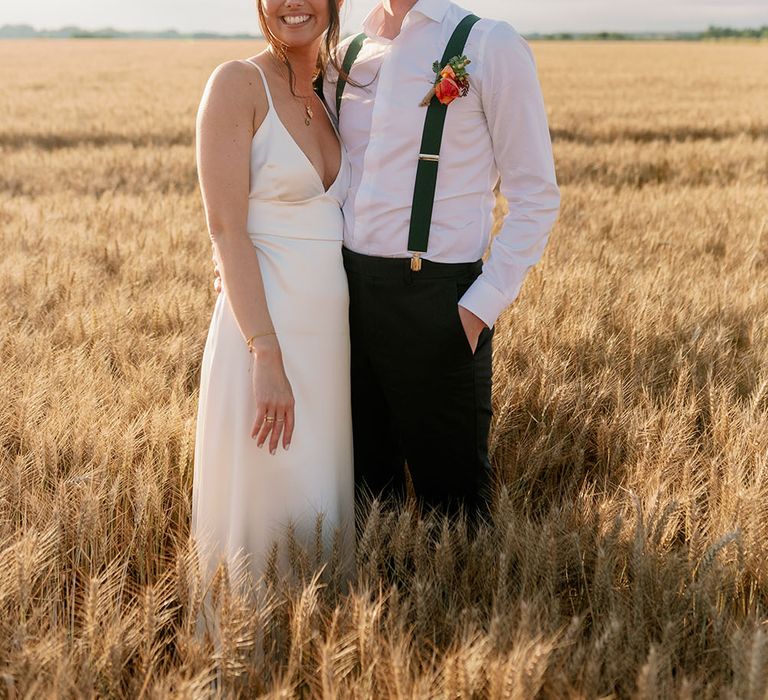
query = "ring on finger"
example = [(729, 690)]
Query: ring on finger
[(269, 419)]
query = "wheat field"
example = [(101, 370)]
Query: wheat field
[(627, 555)]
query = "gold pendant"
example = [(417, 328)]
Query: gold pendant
[(310, 115)]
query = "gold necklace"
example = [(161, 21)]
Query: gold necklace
[(309, 115)]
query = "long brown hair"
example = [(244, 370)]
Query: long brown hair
[(328, 48)]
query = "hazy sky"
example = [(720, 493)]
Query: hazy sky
[(525, 15)]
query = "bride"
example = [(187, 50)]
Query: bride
[(274, 429)]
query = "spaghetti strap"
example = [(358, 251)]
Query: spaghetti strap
[(263, 80)]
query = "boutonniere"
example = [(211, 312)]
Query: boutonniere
[(451, 82)]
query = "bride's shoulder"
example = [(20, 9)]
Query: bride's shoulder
[(233, 74), (233, 82)]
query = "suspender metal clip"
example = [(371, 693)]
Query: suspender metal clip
[(415, 262), (430, 157)]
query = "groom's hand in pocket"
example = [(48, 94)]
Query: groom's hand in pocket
[(473, 326)]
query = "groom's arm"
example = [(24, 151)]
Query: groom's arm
[(517, 121)]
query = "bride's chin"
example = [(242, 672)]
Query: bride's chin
[(297, 44)]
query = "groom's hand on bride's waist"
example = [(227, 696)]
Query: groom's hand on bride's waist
[(473, 326), (216, 276)]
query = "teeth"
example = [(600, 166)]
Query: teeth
[(296, 19)]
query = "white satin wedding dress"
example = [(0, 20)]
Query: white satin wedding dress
[(243, 498)]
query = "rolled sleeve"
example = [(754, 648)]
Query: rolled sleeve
[(517, 121)]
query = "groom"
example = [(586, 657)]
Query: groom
[(417, 221), (422, 304)]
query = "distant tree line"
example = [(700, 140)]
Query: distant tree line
[(727, 33), (25, 31), (712, 32)]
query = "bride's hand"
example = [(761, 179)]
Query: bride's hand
[(273, 394)]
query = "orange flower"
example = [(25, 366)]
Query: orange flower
[(448, 72), (447, 90), (451, 82)]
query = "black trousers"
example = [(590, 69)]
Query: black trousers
[(420, 396)]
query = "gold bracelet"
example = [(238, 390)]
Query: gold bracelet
[(249, 341)]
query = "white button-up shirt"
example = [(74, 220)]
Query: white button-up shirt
[(498, 131)]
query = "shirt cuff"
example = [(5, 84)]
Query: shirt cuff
[(485, 301)]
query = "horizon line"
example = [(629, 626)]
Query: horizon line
[(261, 36)]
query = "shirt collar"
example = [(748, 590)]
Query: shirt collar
[(433, 9)]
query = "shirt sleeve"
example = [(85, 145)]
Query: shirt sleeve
[(517, 121)]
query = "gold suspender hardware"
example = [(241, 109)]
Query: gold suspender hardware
[(429, 156)]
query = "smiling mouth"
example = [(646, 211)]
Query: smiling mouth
[(296, 20)]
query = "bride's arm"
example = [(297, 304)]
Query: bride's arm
[(233, 104)]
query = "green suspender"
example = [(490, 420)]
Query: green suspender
[(429, 155), (353, 51)]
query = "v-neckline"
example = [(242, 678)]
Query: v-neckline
[(306, 157), (273, 108)]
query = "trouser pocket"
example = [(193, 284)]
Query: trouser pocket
[(458, 287)]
